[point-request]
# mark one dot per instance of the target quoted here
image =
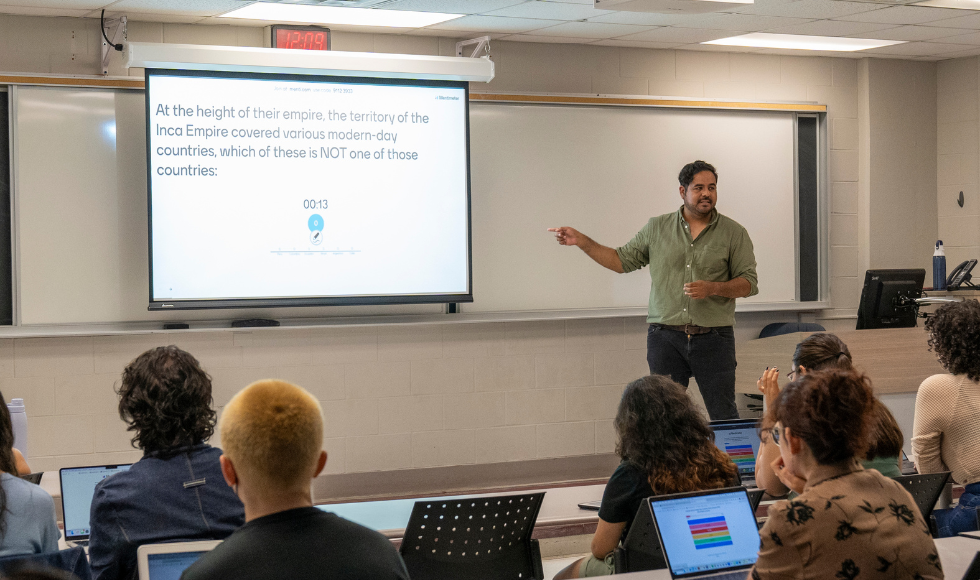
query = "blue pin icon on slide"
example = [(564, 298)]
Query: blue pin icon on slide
[(316, 229)]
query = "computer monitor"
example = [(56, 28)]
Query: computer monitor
[(888, 298)]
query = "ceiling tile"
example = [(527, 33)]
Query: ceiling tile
[(972, 38), (177, 7), (832, 28), (911, 33), (970, 52), (535, 38), (640, 18), (591, 30), (916, 49), (635, 43), (904, 15), (58, 4), (452, 6), (811, 9), (971, 20), (550, 11), (680, 35), (43, 11), (494, 23), (724, 21)]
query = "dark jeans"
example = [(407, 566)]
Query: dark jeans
[(963, 517), (709, 358)]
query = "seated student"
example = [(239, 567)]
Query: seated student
[(28, 524), (176, 491), (946, 430), (666, 447), (848, 522), (22, 468), (272, 432), (823, 351)]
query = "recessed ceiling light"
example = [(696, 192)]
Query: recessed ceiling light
[(801, 42), (306, 14), (961, 4)]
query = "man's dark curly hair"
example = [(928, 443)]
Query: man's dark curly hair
[(954, 335), (688, 172), (165, 397), (662, 433)]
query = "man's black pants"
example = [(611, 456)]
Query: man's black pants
[(709, 358)]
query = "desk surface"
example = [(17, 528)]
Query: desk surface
[(956, 554), (896, 359)]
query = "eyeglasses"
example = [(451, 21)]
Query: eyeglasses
[(791, 375), (776, 434)]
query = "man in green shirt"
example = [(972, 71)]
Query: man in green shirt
[(700, 262)]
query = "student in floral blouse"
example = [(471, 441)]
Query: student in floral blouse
[(848, 522)]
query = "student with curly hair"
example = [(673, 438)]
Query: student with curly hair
[(822, 351), (847, 522), (946, 430), (666, 447), (176, 491)]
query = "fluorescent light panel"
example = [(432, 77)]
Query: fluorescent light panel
[(305, 14), (959, 4), (801, 42)]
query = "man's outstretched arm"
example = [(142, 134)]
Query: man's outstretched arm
[(603, 255)]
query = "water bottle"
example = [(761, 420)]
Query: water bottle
[(939, 267), (18, 417)]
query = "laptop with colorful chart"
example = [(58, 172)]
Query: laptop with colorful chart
[(707, 534), (739, 438), (168, 561), (77, 489)]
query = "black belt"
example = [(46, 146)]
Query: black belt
[(688, 329)]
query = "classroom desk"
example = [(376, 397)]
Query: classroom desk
[(559, 512), (896, 359), (954, 553)]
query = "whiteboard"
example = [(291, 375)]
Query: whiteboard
[(80, 223), (605, 171)]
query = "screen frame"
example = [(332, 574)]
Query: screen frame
[(870, 316), (653, 514), (307, 301)]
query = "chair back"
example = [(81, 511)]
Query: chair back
[(925, 489), (72, 561), (641, 550), (780, 328), (482, 538)]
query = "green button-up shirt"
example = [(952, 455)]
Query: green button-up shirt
[(722, 252)]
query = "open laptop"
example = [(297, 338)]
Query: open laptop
[(77, 489), (707, 534), (739, 438), (168, 561)]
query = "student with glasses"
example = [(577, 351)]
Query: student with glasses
[(847, 522), (824, 351)]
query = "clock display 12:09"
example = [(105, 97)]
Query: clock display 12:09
[(314, 204)]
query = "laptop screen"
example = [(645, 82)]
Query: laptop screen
[(170, 566), (77, 490), (706, 532), (740, 440)]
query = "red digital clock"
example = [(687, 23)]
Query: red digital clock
[(301, 37)]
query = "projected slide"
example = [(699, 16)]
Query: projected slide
[(707, 532), (267, 187)]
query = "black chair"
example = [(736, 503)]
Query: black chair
[(641, 550), (72, 560), (780, 328), (486, 538), (925, 490)]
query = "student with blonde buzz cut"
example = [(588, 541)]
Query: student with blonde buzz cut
[(272, 433)]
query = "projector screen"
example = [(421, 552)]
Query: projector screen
[(292, 190)]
